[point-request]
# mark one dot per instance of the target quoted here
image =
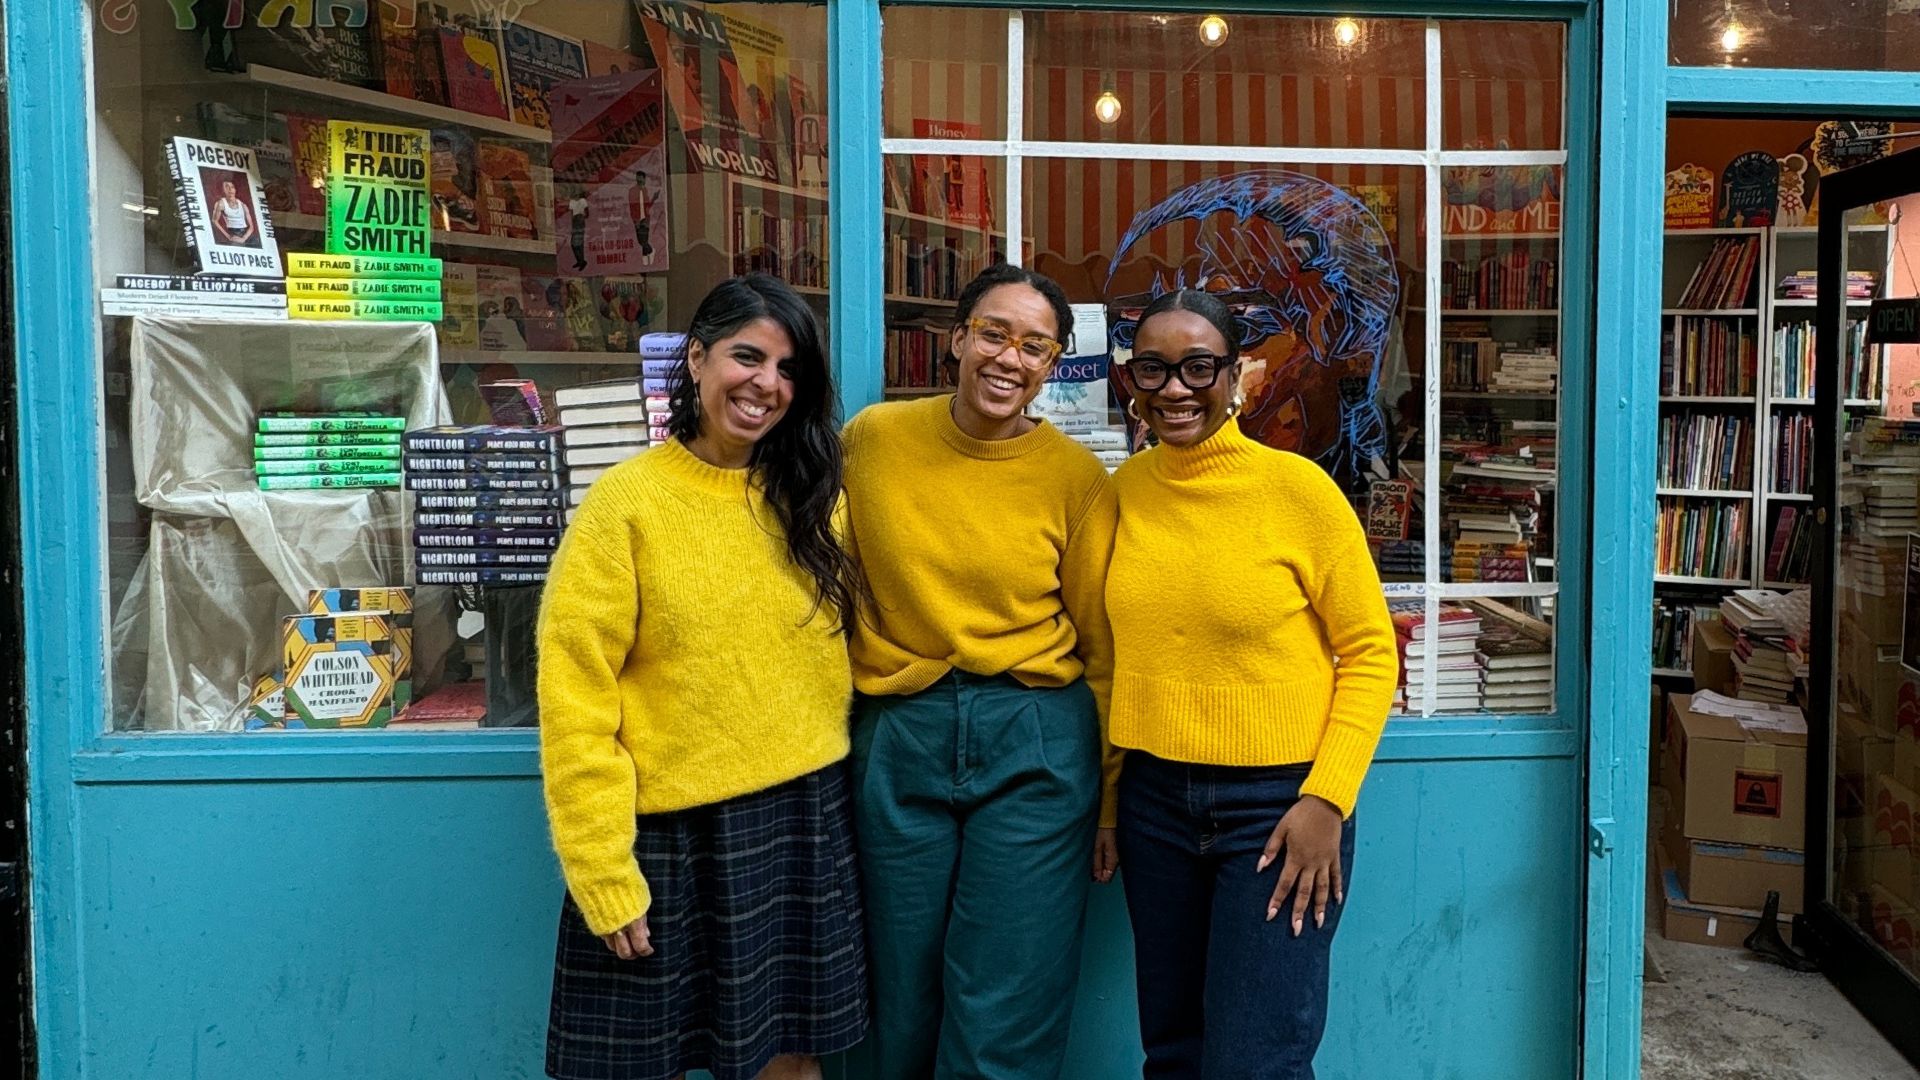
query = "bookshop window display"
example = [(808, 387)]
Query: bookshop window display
[(1383, 214), (383, 289)]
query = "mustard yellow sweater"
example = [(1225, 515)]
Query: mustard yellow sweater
[(1239, 574), (678, 666), (989, 557)]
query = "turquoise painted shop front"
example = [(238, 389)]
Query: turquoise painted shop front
[(383, 906)]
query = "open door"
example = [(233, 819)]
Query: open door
[(1863, 863)]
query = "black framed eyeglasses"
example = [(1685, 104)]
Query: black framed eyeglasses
[(1196, 373)]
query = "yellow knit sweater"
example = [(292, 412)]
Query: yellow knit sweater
[(989, 557), (678, 666), (1239, 574)]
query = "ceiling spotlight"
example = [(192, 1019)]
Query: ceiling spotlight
[(1214, 31), (1731, 38), (1346, 32), (1106, 107)]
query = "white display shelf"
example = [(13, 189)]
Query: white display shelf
[(1790, 496), (1706, 399), (1728, 312), (1705, 493), (1672, 673), (1499, 313), (375, 99), (478, 241), (1708, 582)]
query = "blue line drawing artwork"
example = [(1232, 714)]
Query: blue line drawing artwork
[(1310, 274)]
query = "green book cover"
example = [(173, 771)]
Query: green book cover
[(271, 425), (379, 190), (363, 288), (313, 481), (369, 310), (311, 265), (329, 438), (313, 465), (265, 454)]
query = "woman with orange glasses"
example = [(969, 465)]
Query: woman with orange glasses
[(982, 668)]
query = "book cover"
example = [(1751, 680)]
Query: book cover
[(307, 136), (262, 440), (487, 519), (629, 308), (506, 191), (1750, 190), (266, 704), (454, 706), (366, 310), (275, 35), (704, 85), (546, 327), (309, 265), (489, 463), (266, 134), (536, 59), (460, 307), (429, 69), (456, 182), (396, 39), (489, 501), (222, 208), (484, 439), (542, 200), (502, 318), (204, 286), (580, 311), (1389, 510), (485, 575), (808, 124), (513, 402), (1690, 199), (952, 187), (455, 482), (337, 288), (379, 190), (340, 670), (294, 423), (357, 455), (475, 80), (394, 603), (609, 168)]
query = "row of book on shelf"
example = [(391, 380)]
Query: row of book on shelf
[(1515, 279), (1484, 365), (1702, 538), (1707, 356), (1485, 655), (1793, 361), (1724, 279), (1704, 450)]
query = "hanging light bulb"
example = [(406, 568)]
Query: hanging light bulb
[(1106, 107), (1214, 31), (1346, 32), (1732, 38)]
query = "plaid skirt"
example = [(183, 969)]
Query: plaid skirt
[(758, 939)]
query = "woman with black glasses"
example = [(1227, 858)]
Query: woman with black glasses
[(982, 668), (1254, 665)]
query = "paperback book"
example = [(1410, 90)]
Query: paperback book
[(222, 208)]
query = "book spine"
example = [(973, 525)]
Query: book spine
[(661, 370), (263, 454), (490, 501), (418, 290), (367, 310), (337, 438), (302, 425), (312, 481), (261, 302), (486, 538), (204, 285), (310, 265), (183, 200), (486, 519), (481, 576), (305, 465), (479, 463), (483, 557), (464, 482), (477, 442)]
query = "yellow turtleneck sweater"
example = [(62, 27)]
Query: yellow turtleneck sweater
[(1239, 574), (989, 557), (679, 666)]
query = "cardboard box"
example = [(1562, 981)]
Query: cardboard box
[(1713, 657), (1704, 924), (1870, 674), (1738, 876), (1737, 783)]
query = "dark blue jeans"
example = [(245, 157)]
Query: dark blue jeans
[(1224, 994)]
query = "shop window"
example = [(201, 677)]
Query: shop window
[(1325, 232), (547, 184), (1846, 35)]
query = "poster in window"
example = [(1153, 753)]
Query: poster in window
[(223, 209), (1750, 191), (704, 85), (1690, 197), (609, 175), (1493, 200), (952, 187)]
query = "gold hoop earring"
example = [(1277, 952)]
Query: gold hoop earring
[(1239, 402)]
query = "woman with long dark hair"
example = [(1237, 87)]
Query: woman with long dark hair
[(982, 667), (1254, 666), (694, 686)]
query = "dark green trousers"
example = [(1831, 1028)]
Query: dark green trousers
[(974, 806)]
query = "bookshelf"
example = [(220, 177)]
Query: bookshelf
[(1738, 357), (313, 86), (296, 222)]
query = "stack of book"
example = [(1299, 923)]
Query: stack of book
[(1724, 279), (1516, 652), (610, 421), (453, 707), (1805, 285), (1762, 669), (1452, 659), (1107, 444), (1526, 371), (367, 287), (304, 451), (488, 503), (198, 296)]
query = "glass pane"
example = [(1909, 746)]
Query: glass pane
[(943, 228), (583, 176), (1204, 79), (946, 73), (1503, 88), (1876, 742), (1875, 35)]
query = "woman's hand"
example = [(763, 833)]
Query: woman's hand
[(1106, 854), (1310, 835), (631, 941)]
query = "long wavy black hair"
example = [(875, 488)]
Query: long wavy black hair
[(797, 465)]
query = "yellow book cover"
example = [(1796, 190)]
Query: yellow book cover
[(340, 670), (307, 264), (379, 190)]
